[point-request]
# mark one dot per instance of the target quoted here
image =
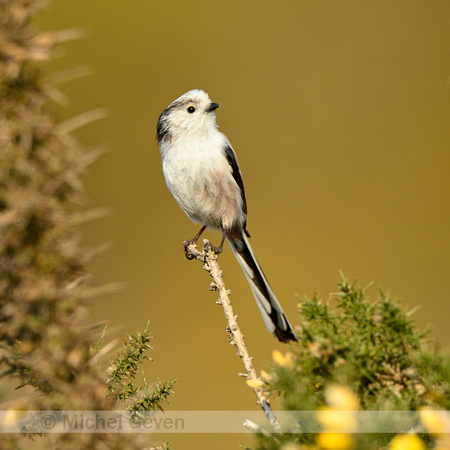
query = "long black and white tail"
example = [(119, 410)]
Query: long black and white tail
[(268, 304)]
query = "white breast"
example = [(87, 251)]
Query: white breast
[(198, 175)]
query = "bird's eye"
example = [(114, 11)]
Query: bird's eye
[(191, 109)]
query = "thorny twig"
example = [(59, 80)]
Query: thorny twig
[(209, 258)]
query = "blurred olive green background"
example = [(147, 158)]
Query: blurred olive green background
[(338, 112)]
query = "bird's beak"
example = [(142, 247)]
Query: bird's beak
[(212, 107)]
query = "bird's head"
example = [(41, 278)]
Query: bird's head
[(191, 114)]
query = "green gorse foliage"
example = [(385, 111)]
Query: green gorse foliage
[(372, 349), (124, 369)]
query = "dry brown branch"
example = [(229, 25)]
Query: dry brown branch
[(209, 258)]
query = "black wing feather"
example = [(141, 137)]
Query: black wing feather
[(232, 161)]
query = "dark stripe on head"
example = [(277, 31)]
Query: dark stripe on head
[(162, 128)]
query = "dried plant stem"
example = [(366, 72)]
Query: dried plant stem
[(209, 258)]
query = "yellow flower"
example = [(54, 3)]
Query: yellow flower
[(336, 421), (279, 358), (290, 360), (14, 415), (315, 387), (255, 384), (341, 398), (406, 442), (435, 422), (335, 441)]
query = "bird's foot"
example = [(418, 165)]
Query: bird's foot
[(216, 250), (186, 250)]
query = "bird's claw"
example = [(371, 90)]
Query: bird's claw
[(186, 250), (216, 250)]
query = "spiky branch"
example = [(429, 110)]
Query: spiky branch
[(209, 258)]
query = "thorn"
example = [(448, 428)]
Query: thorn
[(82, 119)]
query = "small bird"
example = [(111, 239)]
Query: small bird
[(202, 173)]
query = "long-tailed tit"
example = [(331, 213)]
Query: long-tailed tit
[(202, 173)]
